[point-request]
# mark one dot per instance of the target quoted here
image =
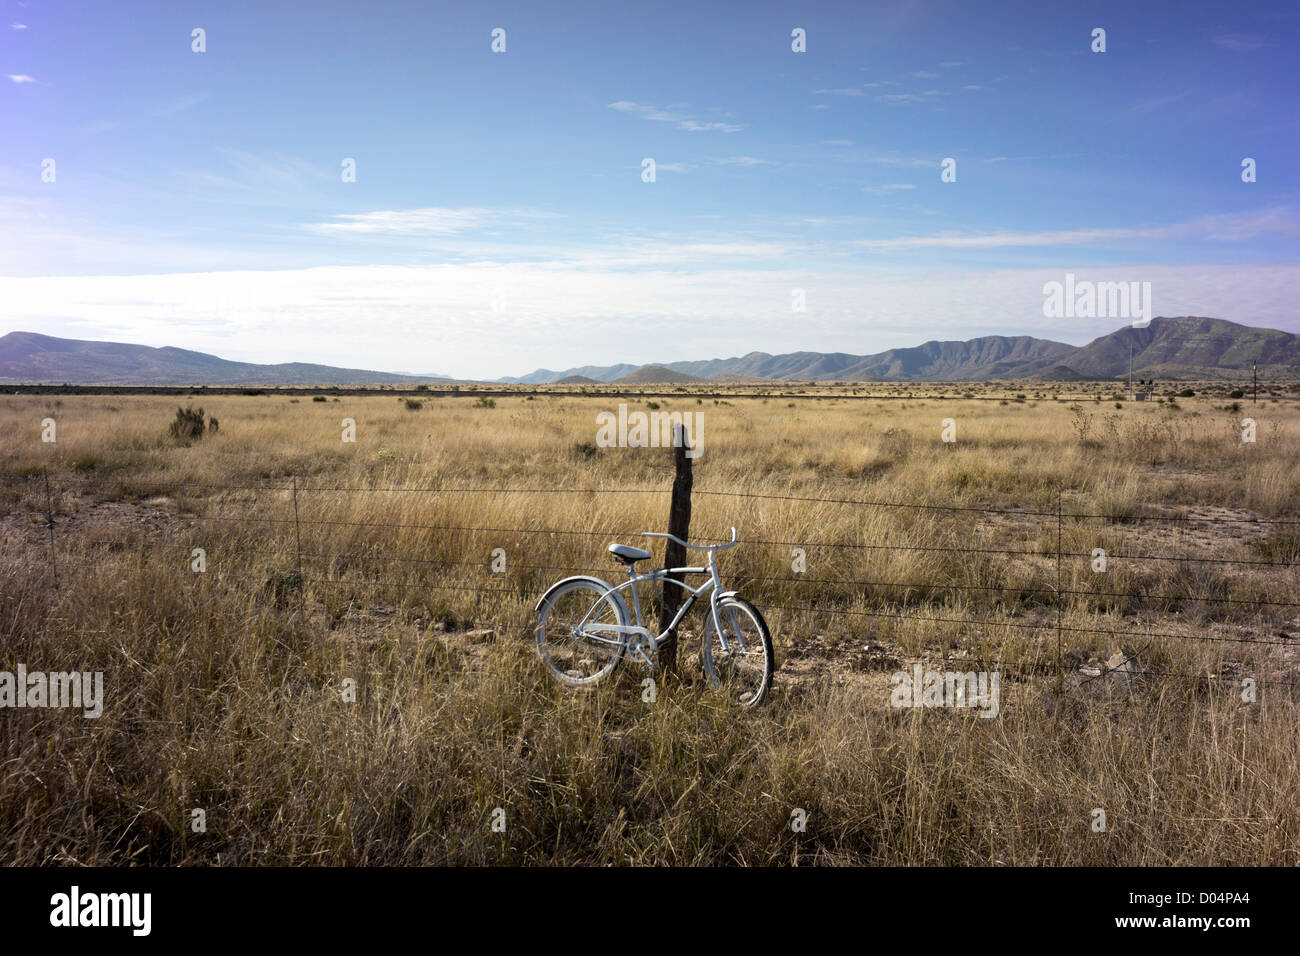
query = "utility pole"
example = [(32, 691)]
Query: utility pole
[(1130, 373), (1255, 376)]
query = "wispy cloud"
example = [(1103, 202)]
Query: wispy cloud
[(182, 104), (1230, 228), (18, 26), (697, 126), (900, 99), (887, 188), (841, 91), (432, 220), (1154, 103), (743, 161), (1241, 42), (683, 121), (21, 78)]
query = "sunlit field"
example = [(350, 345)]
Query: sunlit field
[(868, 541)]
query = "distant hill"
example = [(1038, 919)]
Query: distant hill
[(1189, 347), (1168, 348), (31, 357), (597, 373), (655, 374), (576, 380)]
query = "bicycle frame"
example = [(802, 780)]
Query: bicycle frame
[(712, 587)]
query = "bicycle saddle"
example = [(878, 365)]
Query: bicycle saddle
[(627, 553)]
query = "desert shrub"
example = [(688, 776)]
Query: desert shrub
[(485, 402), (1282, 547), (414, 404), (189, 425), (318, 398), (1081, 422), (895, 443)]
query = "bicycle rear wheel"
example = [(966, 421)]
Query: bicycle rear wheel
[(568, 633), (743, 668)]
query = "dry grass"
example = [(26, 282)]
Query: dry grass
[(224, 688)]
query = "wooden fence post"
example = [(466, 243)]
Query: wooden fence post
[(679, 523), (49, 520)]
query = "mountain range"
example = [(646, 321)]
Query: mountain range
[(31, 357), (1185, 347)]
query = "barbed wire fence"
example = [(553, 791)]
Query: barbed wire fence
[(377, 562)]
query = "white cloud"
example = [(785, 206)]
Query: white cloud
[(743, 161), (431, 221), (902, 99), (671, 114), (697, 126), (887, 187), (1230, 228), (182, 104), (21, 78), (997, 240), (1241, 42)]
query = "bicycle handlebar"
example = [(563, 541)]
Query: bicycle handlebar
[(693, 547)]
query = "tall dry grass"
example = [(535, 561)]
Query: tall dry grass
[(224, 688)]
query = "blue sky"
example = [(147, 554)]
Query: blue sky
[(499, 221)]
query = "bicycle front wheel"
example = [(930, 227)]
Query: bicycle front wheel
[(742, 664), (570, 638)]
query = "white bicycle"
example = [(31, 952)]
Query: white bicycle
[(584, 628)]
